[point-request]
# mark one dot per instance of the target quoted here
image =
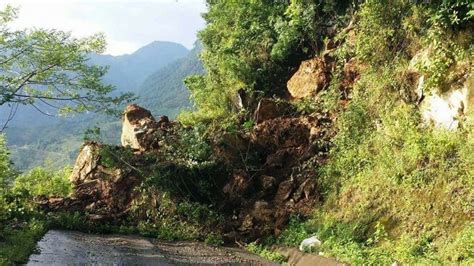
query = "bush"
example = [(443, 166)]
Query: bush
[(43, 182)]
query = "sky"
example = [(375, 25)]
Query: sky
[(127, 24)]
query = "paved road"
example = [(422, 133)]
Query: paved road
[(66, 248)]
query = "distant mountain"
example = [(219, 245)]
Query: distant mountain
[(127, 72), (155, 76), (164, 92)]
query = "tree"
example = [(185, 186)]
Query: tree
[(49, 70)]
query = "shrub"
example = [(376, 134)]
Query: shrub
[(40, 181)]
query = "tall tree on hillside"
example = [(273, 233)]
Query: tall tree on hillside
[(48, 70)]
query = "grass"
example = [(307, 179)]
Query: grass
[(265, 252), (17, 244)]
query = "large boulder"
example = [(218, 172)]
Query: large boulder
[(269, 108), (312, 76), (138, 128), (103, 191)]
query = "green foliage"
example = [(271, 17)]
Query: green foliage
[(214, 239), (42, 182), (380, 38), (268, 39), (50, 67), (92, 134), (6, 173), (21, 224), (16, 245), (115, 157), (265, 252), (452, 13), (174, 219), (305, 24), (296, 231)]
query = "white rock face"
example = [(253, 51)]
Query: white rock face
[(445, 110), (309, 243)]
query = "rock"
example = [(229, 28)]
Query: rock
[(163, 120), (309, 243), (238, 99), (447, 105), (262, 211), (281, 133), (138, 128), (306, 190), (284, 190), (269, 108), (239, 184), (312, 76), (350, 75), (98, 190), (247, 223), (299, 258), (86, 163), (230, 147), (245, 100), (284, 158), (447, 109), (267, 182)]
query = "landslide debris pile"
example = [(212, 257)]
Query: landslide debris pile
[(255, 178), (256, 196)]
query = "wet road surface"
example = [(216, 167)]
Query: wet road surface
[(73, 248)]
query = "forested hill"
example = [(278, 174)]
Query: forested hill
[(127, 72), (154, 73), (176, 96)]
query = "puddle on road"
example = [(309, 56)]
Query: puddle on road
[(64, 247)]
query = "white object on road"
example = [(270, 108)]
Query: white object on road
[(309, 243)]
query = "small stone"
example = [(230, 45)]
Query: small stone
[(309, 243)]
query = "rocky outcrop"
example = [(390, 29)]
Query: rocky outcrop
[(314, 75), (447, 110), (350, 75)]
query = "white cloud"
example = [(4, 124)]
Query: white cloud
[(128, 25)]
